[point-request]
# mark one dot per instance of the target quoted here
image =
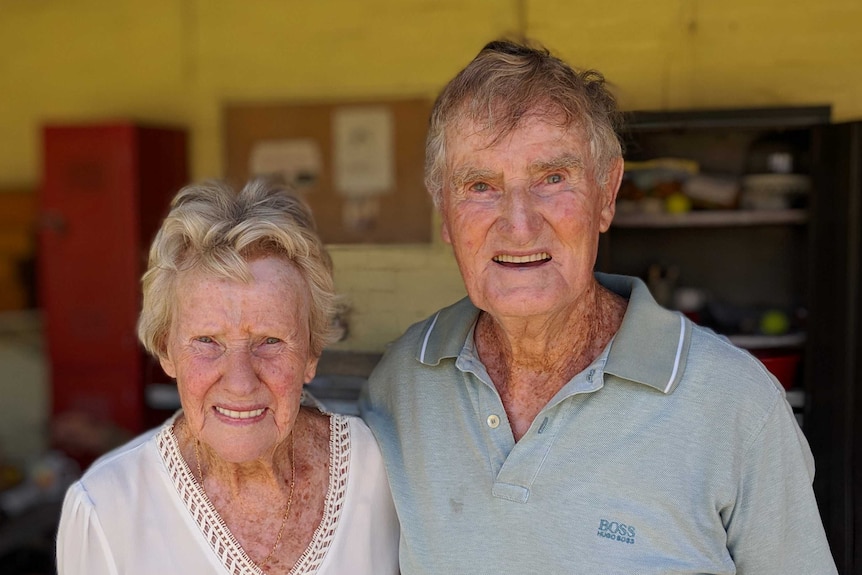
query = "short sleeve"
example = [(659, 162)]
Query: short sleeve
[(81, 543), (775, 526)]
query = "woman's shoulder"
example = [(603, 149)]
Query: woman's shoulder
[(335, 427), (345, 440), (354, 426), (356, 438), (129, 450), (123, 470)]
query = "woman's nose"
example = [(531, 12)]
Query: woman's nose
[(239, 373)]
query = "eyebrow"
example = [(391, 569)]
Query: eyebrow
[(471, 174), (566, 161), (466, 174)]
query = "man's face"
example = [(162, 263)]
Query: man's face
[(523, 216)]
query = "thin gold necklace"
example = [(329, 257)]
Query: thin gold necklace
[(263, 563)]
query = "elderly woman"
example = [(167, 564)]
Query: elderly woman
[(238, 305)]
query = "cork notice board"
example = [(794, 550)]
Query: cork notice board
[(358, 164)]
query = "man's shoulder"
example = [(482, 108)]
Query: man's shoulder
[(708, 345), (729, 372), (440, 334), (420, 349)]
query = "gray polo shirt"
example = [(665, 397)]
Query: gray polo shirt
[(674, 452)]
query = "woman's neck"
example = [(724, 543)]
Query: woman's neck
[(267, 472)]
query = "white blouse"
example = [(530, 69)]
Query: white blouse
[(138, 510)]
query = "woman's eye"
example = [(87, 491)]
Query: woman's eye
[(554, 179), (271, 340), (204, 339)]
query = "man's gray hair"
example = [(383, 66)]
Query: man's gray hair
[(508, 82)]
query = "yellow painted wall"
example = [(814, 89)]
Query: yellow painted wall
[(180, 61)]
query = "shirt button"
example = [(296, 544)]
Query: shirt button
[(493, 421)]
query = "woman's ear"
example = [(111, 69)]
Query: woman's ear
[(168, 366), (311, 369)]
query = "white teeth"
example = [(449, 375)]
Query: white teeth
[(239, 414), (507, 259)]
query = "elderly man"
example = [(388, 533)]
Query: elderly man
[(557, 420)]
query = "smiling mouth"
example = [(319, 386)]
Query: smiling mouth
[(240, 414), (523, 261)]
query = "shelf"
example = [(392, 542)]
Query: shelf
[(790, 340), (711, 218), (729, 118)]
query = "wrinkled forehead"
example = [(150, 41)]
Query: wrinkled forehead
[(469, 137), (493, 122), (274, 277), (498, 113)]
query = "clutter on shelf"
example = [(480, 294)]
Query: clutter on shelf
[(772, 180)]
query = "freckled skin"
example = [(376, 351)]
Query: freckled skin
[(241, 347), (253, 512), (245, 346), (531, 194), (534, 198)]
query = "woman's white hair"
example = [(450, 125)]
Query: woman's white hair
[(210, 227)]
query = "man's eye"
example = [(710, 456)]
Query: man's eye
[(480, 187), (554, 179), (271, 340), (204, 339)]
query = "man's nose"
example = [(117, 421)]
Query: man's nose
[(520, 215)]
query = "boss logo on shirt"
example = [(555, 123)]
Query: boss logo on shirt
[(616, 531)]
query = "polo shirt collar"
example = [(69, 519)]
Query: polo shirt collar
[(651, 346), (446, 332)]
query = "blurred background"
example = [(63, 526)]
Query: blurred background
[(740, 207)]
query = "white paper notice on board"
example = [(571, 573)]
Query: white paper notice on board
[(363, 154), (298, 161)]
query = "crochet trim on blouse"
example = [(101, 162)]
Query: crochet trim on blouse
[(216, 533)]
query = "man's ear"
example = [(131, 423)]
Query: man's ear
[(444, 232), (609, 192)]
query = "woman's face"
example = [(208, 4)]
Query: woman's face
[(240, 355)]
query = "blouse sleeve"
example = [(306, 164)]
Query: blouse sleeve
[(81, 543)]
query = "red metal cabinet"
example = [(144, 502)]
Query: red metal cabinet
[(105, 190)]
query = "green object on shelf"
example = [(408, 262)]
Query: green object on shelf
[(774, 322)]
